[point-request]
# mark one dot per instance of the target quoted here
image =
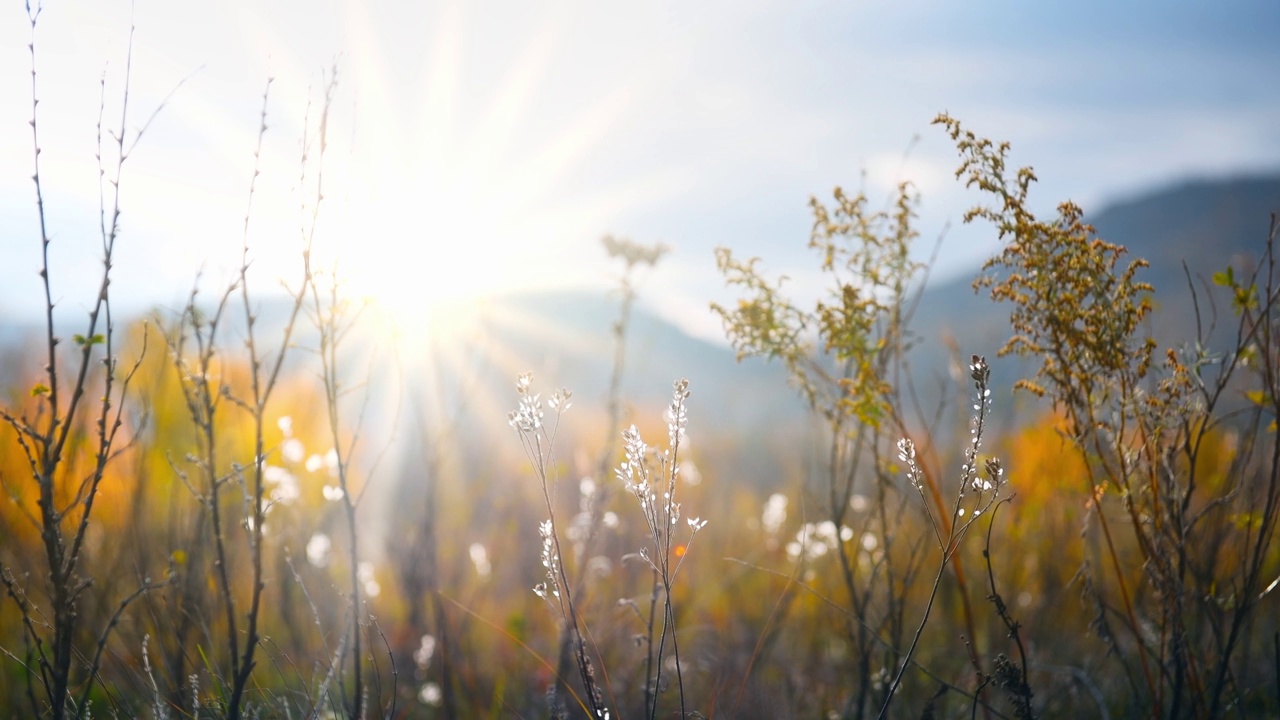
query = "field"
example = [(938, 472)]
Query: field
[(265, 503)]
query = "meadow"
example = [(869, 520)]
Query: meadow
[(242, 507)]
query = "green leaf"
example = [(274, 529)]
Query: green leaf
[(40, 390), (81, 340)]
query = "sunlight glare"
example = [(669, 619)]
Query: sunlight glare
[(426, 265), (449, 178), (425, 222)]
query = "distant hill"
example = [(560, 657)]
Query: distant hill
[(566, 338), (1207, 224)]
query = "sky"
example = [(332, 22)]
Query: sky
[(482, 147)]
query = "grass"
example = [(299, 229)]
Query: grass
[(189, 530)]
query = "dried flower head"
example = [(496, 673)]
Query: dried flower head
[(907, 454), (633, 253), (559, 401), (527, 417), (677, 415), (979, 370)]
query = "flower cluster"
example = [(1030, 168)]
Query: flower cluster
[(282, 483), (980, 372), (677, 416), (907, 454), (661, 513), (318, 548), (815, 540), (527, 417), (633, 253), (774, 513), (550, 561), (634, 468), (284, 486)]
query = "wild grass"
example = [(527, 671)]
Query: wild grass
[(190, 531)]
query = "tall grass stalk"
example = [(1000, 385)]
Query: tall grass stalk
[(538, 443), (653, 479), (974, 496), (1142, 428), (334, 319), (64, 420), (848, 356)]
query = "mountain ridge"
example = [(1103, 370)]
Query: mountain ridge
[(1205, 223)]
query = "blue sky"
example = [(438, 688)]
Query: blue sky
[(487, 145)]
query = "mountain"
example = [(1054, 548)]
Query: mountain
[(1206, 224), (566, 338)]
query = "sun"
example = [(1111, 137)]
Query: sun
[(425, 261), (438, 197), (457, 169)]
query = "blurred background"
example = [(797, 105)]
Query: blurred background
[(476, 154)]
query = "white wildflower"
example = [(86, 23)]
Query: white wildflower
[(284, 486), (907, 454), (480, 558), (816, 540), (318, 550), (426, 650), (430, 695), (292, 450), (523, 382), (365, 573), (527, 417), (677, 417), (689, 473), (559, 401), (907, 451), (774, 513)]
